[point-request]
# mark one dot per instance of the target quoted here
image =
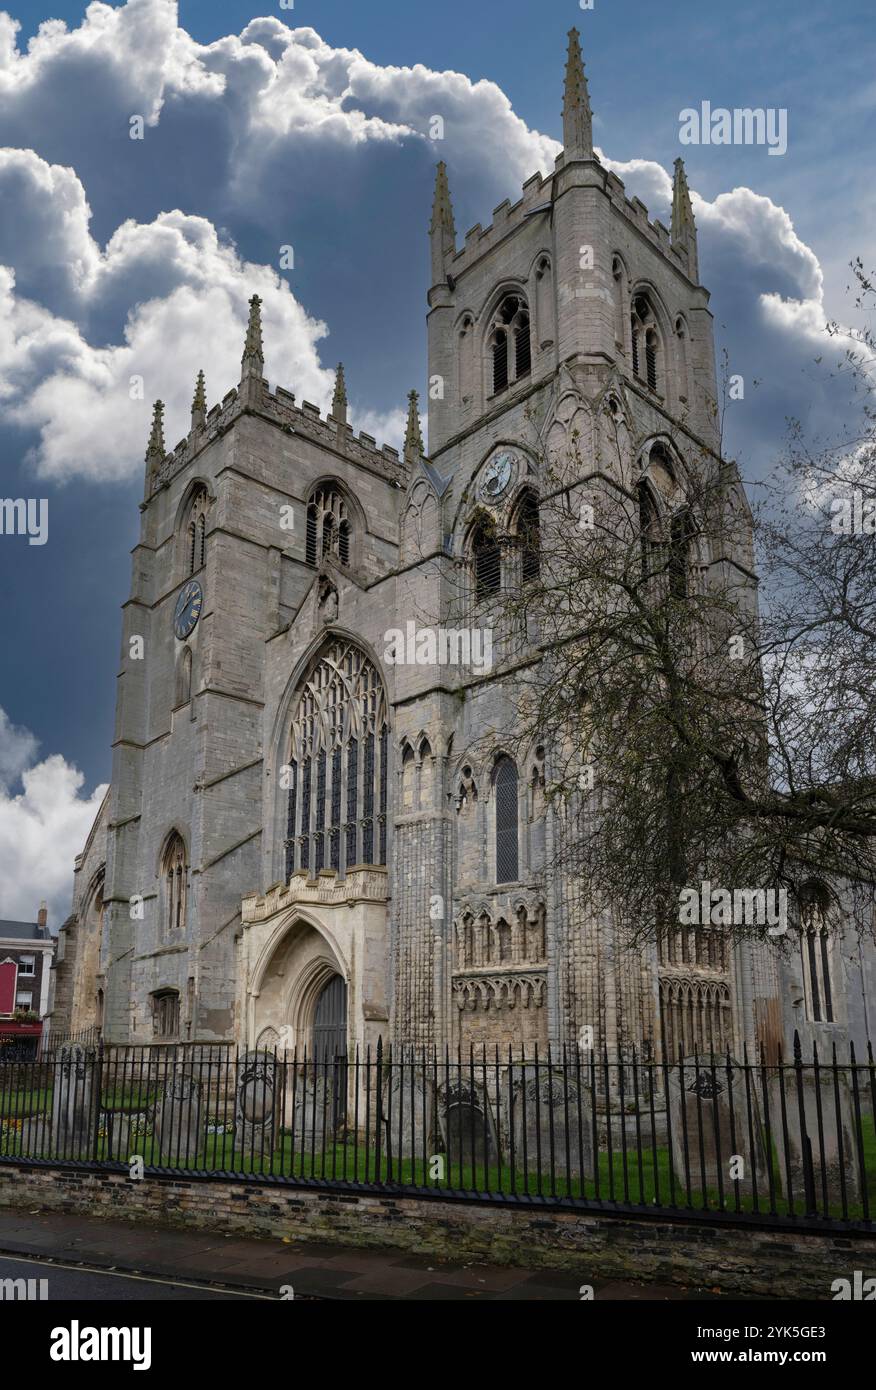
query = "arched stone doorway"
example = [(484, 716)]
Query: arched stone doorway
[(300, 999)]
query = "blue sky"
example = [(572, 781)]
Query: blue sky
[(110, 249)]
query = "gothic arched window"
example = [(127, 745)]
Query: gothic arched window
[(196, 532), (426, 775), (338, 765), (328, 526), (681, 538), (647, 351), (528, 537), (505, 793), (617, 275), (175, 875), (408, 774), (815, 950), (486, 561), (650, 533), (500, 360), (184, 677), (544, 303), (681, 340), (510, 343)]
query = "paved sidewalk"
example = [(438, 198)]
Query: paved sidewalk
[(313, 1270)]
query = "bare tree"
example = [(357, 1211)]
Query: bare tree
[(706, 688)]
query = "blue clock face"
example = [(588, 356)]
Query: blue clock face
[(497, 475), (188, 609)]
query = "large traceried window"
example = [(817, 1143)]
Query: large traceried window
[(336, 811)]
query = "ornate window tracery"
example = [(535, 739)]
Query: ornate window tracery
[(646, 346), (175, 872), (328, 526), (196, 550), (816, 953), (339, 749), (509, 343)]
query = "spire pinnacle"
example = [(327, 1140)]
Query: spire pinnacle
[(577, 116), (199, 403), (442, 231), (253, 360), (339, 399), (155, 449), (413, 434), (442, 208), (684, 231)]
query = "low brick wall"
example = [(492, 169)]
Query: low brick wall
[(777, 1264)]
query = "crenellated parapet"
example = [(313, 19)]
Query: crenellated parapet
[(279, 408)]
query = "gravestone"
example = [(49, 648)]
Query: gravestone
[(73, 1100), (709, 1119), (821, 1151), (467, 1125), (408, 1105), (551, 1121), (313, 1110), (256, 1105), (127, 1134), (178, 1126)]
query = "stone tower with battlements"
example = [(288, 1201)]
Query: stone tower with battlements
[(318, 833)]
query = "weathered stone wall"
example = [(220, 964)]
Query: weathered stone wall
[(773, 1264)]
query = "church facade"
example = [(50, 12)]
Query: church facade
[(311, 841)]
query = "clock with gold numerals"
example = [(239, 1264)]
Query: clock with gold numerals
[(188, 609)]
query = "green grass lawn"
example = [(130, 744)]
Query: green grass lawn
[(621, 1179)]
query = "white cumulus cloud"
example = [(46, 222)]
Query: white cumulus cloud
[(271, 125), (42, 827)]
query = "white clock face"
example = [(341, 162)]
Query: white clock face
[(497, 475)]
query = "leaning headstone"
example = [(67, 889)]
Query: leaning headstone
[(717, 1134), (178, 1127), (467, 1125), (550, 1119), (256, 1108), (73, 1100)]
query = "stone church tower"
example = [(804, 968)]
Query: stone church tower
[(319, 834)]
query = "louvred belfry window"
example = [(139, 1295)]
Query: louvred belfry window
[(486, 559), (510, 343), (329, 531), (646, 344), (196, 532), (339, 722), (528, 538)]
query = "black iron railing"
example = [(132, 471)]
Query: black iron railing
[(709, 1136)]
